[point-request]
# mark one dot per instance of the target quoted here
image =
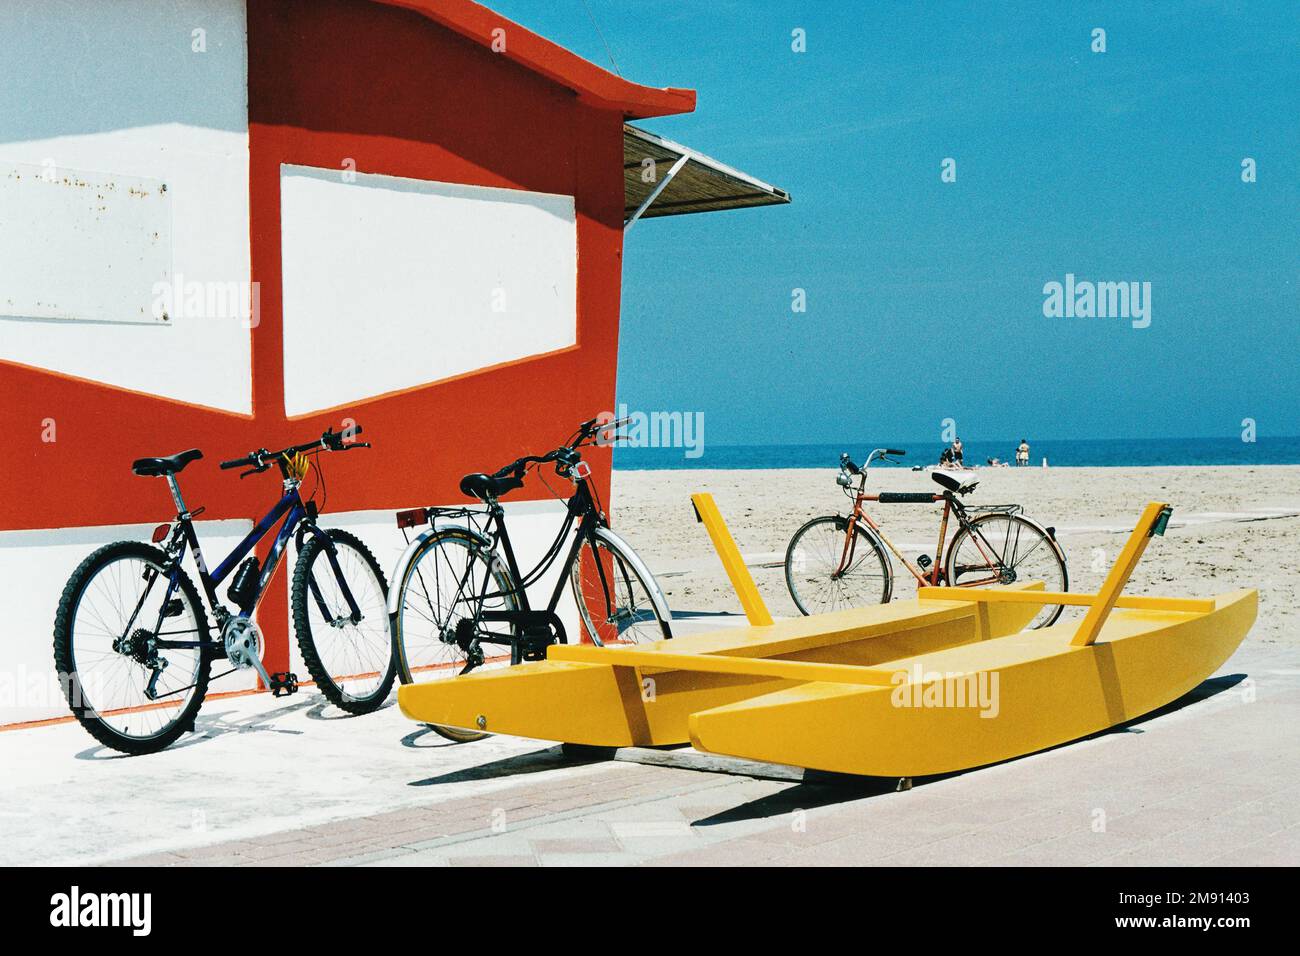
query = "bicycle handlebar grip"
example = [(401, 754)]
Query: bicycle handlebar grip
[(338, 441), (510, 468), (898, 452), (235, 463), (847, 463)]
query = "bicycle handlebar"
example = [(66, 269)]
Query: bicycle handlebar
[(329, 440), (852, 468), (566, 455)]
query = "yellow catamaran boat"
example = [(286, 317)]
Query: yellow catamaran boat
[(945, 682)]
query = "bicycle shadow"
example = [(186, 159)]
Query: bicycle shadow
[(322, 709), (435, 740), (210, 725)]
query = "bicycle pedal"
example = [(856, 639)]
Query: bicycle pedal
[(283, 684), (173, 608), (924, 561)]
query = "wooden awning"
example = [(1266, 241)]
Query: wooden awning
[(683, 180)]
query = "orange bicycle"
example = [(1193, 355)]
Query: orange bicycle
[(840, 561)]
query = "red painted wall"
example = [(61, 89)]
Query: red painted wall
[(400, 95)]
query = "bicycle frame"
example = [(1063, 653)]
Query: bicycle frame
[(938, 571), (299, 518), (531, 621)]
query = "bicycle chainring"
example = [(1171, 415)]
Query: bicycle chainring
[(243, 642)]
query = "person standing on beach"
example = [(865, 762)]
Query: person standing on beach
[(1022, 453), (956, 453)]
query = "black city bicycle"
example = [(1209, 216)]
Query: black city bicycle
[(461, 601), (132, 643)]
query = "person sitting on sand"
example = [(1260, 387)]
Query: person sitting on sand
[(945, 458), (1022, 453), (956, 453)]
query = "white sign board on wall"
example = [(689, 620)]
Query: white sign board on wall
[(82, 245), (391, 283)]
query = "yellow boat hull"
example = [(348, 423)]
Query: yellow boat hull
[(907, 689), (979, 704), (945, 682), (565, 699)]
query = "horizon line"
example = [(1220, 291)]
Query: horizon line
[(932, 441)]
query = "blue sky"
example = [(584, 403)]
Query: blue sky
[(925, 298)]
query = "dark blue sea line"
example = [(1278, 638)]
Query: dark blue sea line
[(1087, 452)]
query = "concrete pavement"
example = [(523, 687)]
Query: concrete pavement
[(1215, 779)]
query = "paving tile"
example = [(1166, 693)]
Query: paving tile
[(492, 861)]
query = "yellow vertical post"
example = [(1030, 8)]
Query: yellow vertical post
[(707, 512), (1152, 522)]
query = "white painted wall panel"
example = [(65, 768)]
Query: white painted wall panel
[(35, 565), (118, 89), (391, 283), (83, 246)]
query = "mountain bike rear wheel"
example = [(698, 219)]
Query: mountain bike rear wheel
[(105, 653)]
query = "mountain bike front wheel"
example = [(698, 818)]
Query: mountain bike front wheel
[(1003, 548), (834, 563), (451, 577), (130, 694), (351, 660)]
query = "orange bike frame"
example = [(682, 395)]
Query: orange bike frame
[(938, 571)]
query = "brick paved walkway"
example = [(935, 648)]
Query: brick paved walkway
[(1212, 781)]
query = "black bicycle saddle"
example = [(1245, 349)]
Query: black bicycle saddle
[(485, 487), (951, 483), (153, 467)]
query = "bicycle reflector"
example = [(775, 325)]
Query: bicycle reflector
[(160, 532), (581, 470), (413, 517)]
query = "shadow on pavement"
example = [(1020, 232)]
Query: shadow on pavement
[(1203, 691), (552, 758), (210, 725), (816, 790)]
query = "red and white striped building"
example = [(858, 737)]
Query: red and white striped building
[(228, 224)]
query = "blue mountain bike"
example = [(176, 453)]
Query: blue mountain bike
[(132, 643)]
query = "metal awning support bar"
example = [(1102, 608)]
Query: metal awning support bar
[(654, 194)]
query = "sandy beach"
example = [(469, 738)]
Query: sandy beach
[(1232, 527)]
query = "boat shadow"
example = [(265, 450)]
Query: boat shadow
[(536, 761)]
